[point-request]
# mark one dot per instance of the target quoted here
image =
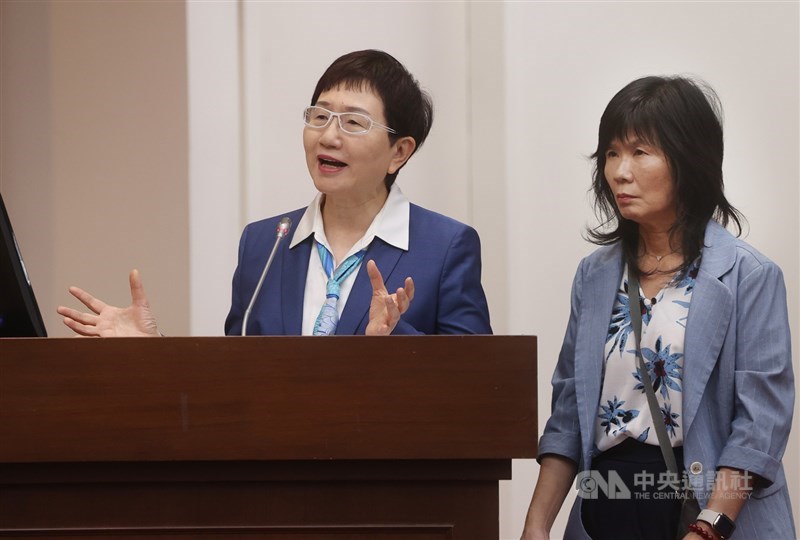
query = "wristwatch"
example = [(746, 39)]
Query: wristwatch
[(722, 524)]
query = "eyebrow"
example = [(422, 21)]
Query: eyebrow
[(327, 104), (630, 142)]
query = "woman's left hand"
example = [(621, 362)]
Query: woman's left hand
[(385, 309)]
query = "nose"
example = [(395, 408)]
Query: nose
[(331, 134), (621, 170)]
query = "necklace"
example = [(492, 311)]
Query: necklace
[(659, 257)]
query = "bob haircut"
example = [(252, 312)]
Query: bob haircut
[(408, 108), (684, 119)]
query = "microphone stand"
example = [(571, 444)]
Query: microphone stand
[(283, 229)]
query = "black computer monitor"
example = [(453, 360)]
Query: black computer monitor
[(19, 313)]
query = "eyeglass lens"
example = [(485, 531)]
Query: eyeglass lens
[(350, 122)]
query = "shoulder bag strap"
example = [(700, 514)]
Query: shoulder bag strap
[(655, 410)]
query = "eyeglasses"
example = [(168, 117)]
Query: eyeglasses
[(349, 122)]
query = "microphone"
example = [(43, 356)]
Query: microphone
[(283, 229)]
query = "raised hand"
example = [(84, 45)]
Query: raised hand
[(385, 309), (135, 320)]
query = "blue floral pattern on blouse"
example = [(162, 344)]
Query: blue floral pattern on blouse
[(623, 410), (663, 368)]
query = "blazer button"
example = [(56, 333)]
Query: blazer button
[(696, 467)]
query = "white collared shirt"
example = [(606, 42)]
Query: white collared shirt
[(391, 225)]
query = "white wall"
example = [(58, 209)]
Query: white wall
[(215, 158)]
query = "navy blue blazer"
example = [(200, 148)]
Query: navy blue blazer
[(738, 383), (443, 258)]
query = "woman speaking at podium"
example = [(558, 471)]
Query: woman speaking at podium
[(359, 239)]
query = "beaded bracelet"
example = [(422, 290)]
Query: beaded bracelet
[(697, 529)]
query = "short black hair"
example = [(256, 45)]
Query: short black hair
[(682, 117), (408, 108)]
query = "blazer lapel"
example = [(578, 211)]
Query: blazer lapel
[(598, 291), (356, 310), (294, 270), (709, 317)]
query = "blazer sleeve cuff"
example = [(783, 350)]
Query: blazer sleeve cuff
[(562, 444), (753, 461)]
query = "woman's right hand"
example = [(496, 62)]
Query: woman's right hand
[(135, 320)]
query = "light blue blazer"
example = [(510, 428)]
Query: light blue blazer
[(738, 383), (443, 258)]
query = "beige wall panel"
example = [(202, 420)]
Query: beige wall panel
[(119, 137), (94, 142)]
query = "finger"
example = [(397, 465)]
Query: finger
[(138, 296), (409, 288), (375, 277), (80, 329), (79, 316), (87, 299), (401, 299)]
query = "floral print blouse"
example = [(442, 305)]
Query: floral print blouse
[(623, 410)]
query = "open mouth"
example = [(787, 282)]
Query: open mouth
[(329, 163)]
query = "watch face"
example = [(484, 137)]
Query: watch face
[(723, 525)]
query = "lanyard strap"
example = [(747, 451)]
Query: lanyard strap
[(655, 411)]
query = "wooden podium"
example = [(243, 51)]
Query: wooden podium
[(297, 438)]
